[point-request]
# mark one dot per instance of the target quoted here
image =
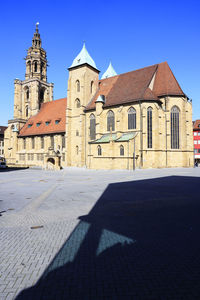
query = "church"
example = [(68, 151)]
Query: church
[(138, 119)]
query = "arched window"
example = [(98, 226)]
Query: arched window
[(77, 85), (131, 118), (26, 111), (27, 94), (41, 67), (110, 121), (76, 150), (77, 133), (122, 150), (91, 87), (149, 127), (29, 66), (24, 143), (35, 66), (99, 151), (92, 127), (175, 127), (77, 103)]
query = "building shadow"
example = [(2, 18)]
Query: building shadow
[(10, 169), (140, 241)]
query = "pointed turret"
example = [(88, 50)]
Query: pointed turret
[(83, 58), (109, 72)]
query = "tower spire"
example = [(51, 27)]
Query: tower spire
[(36, 41)]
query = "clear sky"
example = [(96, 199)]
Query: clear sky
[(132, 34)]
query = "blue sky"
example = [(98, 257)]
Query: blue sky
[(132, 34)]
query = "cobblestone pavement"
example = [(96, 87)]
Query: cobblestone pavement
[(87, 234)]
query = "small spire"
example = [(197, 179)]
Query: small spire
[(109, 72), (36, 41)]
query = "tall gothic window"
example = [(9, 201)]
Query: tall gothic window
[(92, 127), (149, 127), (131, 118), (35, 66), (77, 150), (24, 143), (77, 103), (77, 85), (27, 94), (110, 120), (121, 150), (175, 127), (99, 151), (29, 66)]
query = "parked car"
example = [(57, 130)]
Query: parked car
[(2, 162)]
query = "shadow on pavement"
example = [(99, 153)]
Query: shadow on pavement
[(9, 169), (140, 241)]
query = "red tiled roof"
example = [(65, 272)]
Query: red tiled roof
[(196, 125), (165, 82), (49, 112), (134, 86)]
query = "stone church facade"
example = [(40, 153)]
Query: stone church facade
[(139, 119)]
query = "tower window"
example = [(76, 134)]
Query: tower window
[(29, 66), (92, 127), (35, 66), (149, 127), (26, 111), (131, 118), (91, 87), (110, 121), (77, 103), (77, 85), (122, 150), (27, 94), (99, 151), (77, 150), (175, 127)]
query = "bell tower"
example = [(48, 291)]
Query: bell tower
[(36, 61), (82, 85)]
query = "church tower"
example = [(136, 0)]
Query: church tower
[(34, 90), (82, 85), (29, 94)]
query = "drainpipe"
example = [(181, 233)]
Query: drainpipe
[(141, 137)]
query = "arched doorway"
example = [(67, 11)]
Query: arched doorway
[(51, 160)]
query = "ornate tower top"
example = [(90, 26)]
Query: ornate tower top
[(36, 61), (36, 41)]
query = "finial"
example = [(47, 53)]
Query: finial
[(37, 26)]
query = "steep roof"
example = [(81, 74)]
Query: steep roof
[(83, 58), (135, 85), (53, 112), (196, 125)]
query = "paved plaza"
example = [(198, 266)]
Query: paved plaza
[(87, 234)]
